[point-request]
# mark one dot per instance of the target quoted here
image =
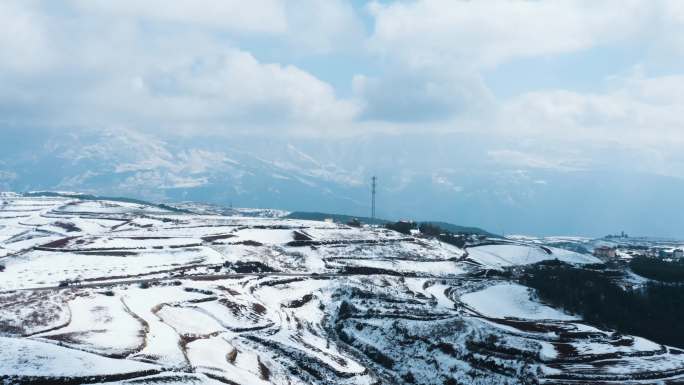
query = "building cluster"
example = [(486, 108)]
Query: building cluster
[(667, 252), (604, 252), (629, 252)]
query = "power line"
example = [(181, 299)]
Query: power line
[(373, 180)]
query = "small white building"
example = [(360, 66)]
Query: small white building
[(604, 252)]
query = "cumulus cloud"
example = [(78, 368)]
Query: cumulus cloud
[(231, 89), (485, 33), (632, 126), (636, 109), (167, 66), (256, 16), (24, 43), (311, 25), (199, 67), (438, 50)]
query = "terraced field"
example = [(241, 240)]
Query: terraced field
[(102, 291)]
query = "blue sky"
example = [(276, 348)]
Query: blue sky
[(545, 87)]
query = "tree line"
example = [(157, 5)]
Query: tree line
[(658, 269), (653, 311)]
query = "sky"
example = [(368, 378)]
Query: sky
[(545, 89)]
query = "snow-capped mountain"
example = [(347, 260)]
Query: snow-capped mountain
[(418, 179)]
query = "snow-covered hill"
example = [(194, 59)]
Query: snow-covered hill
[(126, 292)]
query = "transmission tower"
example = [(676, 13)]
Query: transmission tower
[(373, 180)]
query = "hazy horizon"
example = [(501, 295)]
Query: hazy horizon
[(544, 118)]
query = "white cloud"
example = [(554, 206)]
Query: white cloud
[(633, 126), (24, 44), (179, 67), (311, 25), (637, 110), (437, 50), (323, 26), (228, 90), (260, 16), (134, 64), (441, 33)]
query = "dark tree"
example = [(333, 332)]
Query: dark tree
[(403, 227), (653, 311), (658, 269)]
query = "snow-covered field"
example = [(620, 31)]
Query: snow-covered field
[(510, 300), (498, 256), (96, 291)]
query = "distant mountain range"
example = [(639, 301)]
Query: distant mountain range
[(419, 179)]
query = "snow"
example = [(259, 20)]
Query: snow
[(265, 236), (511, 300), (199, 321), (238, 316), (437, 291), (44, 268), (547, 351), (28, 313), (125, 243), (106, 207), (188, 321), (273, 296), (499, 256), (638, 345), (408, 266), (163, 343), (34, 358), (100, 324), (211, 355)]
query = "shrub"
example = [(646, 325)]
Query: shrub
[(447, 349), (264, 371), (301, 236), (248, 267), (409, 378), (378, 356), (403, 227), (347, 310), (430, 230)]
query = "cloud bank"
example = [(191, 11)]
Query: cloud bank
[(529, 86)]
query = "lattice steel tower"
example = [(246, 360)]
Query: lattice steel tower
[(373, 180)]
